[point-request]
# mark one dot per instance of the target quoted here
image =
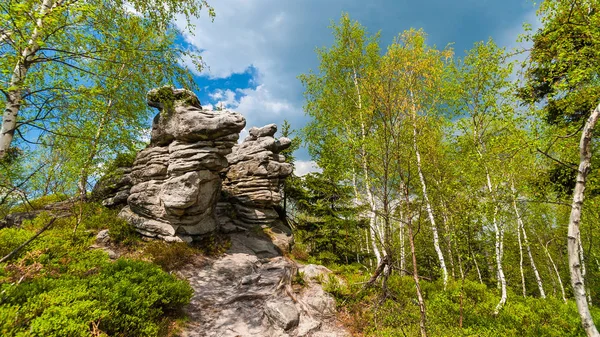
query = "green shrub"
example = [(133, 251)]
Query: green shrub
[(96, 216), (57, 286), (170, 255), (398, 315), (39, 203)]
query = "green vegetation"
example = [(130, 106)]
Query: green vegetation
[(58, 286), (448, 171), (398, 315)]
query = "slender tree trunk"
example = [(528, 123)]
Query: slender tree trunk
[(521, 228), (499, 245), (573, 235), (436, 240), (583, 270), (560, 283), (402, 248), (423, 317), (448, 239), (14, 94), (538, 279), (521, 259), (460, 266), (372, 208)]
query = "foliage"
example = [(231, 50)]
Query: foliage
[(170, 255), (399, 316), (324, 218), (58, 287)]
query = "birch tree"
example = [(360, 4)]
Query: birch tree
[(47, 47), (341, 114), (482, 97)]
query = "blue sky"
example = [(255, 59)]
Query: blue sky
[(255, 49)]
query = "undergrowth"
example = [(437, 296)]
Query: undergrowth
[(366, 314), (58, 286)]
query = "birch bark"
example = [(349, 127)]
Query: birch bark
[(573, 235), (14, 94), (436, 240)]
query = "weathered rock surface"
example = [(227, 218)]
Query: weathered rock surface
[(175, 180), (112, 190), (61, 209), (251, 185), (243, 294)]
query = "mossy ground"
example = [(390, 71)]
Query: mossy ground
[(58, 286), (365, 313)]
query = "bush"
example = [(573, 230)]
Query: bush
[(58, 287), (39, 203), (96, 217), (170, 255), (399, 314)]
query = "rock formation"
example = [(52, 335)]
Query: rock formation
[(256, 171), (112, 190), (251, 187), (193, 178), (242, 295), (175, 180)]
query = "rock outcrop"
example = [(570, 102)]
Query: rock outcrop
[(112, 190), (251, 187), (241, 294), (175, 180)]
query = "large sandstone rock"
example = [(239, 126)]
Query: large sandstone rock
[(245, 294), (175, 180), (251, 187), (112, 190)]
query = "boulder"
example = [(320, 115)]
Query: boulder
[(175, 181), (112, 190), (254, 176)]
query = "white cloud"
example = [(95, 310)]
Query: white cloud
[(277, 40), (302, 167)]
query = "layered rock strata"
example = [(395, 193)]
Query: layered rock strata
[(252, 182), (175, 180), (240, 294), (112, 190)]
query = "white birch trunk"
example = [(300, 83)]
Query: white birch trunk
[(583, 272), (520, 256), (538, 279), (577, 280), (499, 249), (521, 225), (15, 92), (560, 283), (477, 267), (371, 199), (436, 240), (448, 240)]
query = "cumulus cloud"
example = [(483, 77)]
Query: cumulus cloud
[(276, 40), (302, 167)]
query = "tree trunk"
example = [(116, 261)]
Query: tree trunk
[(402, 248), (573, 235), (499, 253), (448, 239), (423, 317), (15, 92), (583, 270), (560, 283), (499, 245), (436, 240), (363, 152), (521, 228), (538, 279), (520, 256)]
